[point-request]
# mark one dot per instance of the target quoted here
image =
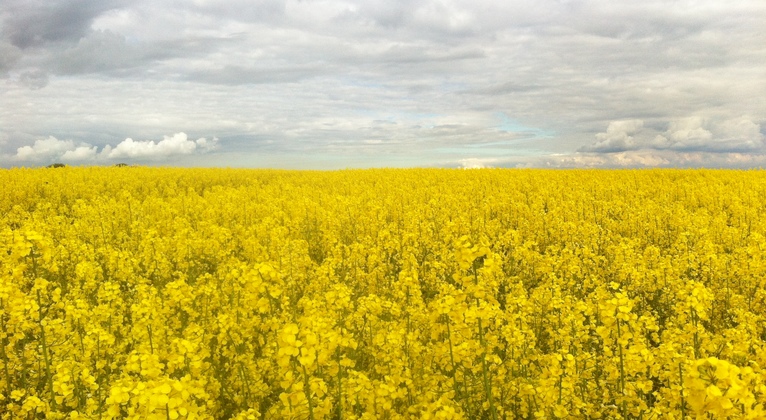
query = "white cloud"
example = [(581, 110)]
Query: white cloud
[(648, 158), (688, 133), (618, 137), (691, 134), (741, 133), (80, 154), (687, 142), (53, 149), (477, 163), (741, 128), (44, 149), (205, 145), (178, 144), (700, 134)]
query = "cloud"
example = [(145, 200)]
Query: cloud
[(686, 134), (53, 149), (44, 149), (9, 56), (204, 145), (99, 51), (438, 17), (698, 134), (625, 159), (652, 159), (241, 10), (82, 153), (691, 134), (178, 144), (238, 75), (34, 79), (477, 163), (618, 137), (686, 142), (32, 23)]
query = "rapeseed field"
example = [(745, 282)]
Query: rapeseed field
[(382, 294)]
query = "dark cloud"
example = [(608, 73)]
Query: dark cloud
[(105, 52), (34, 79), (32, 23), (9, 56)]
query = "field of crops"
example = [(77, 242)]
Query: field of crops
[(382, 294)]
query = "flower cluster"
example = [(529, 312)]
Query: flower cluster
[(215, 294)]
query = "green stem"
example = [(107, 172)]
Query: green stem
[(151, 342), (696, 336), (622, 370), (4, 355), (485, 373), (452, 361), (340, 388), (681, 391), (46, 355), (307, 390)]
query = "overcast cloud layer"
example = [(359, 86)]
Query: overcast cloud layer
[(333, 84)]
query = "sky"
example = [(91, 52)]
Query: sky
[(331, 84)]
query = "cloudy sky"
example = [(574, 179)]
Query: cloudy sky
[(334, 84)]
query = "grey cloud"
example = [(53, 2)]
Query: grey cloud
[(34, 79), (241, 10), (66, 44), (103, 51), (237, 75), (650, 19), (415, 54), (293, 61), (505, 88), (388, 14), (691, 134), (448, 22), (31, 23), (9, 56)]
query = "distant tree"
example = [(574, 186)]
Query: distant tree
[(121, 165), (56, 165)]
